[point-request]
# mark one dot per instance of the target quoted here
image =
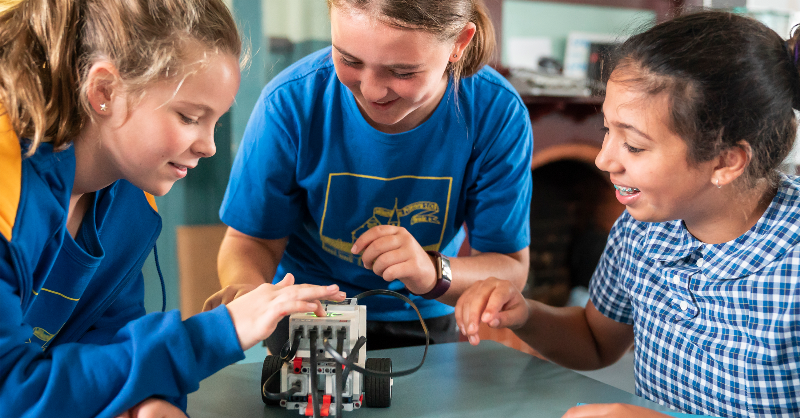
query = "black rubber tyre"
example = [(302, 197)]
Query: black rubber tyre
[(272, 364), (378, 389)]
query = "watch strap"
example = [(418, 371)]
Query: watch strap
[(443, 276)]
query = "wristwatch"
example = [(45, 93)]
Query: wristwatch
[(443, 275)]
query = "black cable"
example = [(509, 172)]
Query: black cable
[(160, 277), (354, 354), (282, 395), (298, 334), (350, 364), (339, 383), (312, 336)]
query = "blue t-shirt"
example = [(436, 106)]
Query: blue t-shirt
[(311, 168)]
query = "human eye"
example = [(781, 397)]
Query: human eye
[(187, 120), (631, 149), (402, 75), (347, 62)]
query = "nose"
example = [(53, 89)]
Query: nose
[(372, 86), (606, 159), (204, 146)]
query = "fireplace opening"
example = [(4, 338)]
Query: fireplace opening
[(573, 207)]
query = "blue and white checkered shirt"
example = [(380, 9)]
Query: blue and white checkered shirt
[(717, 326)]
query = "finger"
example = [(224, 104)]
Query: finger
[(287, 280), (309, 293), (230, 295), (371, 235), (319, 310), (212, 302), (381, 247), (277, 311), (496, 300)]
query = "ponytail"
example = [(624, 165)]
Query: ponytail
[(793, 49), (38, 70), (481, 49)]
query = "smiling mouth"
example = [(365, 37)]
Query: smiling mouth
[(626, 191)]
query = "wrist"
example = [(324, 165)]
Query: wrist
[(443, 276)]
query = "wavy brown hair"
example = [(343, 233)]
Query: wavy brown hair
[(443, 18), (48, 46)]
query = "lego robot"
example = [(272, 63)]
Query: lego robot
[(315, 378)]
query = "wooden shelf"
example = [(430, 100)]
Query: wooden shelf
[(576, 108)]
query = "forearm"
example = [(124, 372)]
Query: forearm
[(565, 336), (478, 266), (246, 260)]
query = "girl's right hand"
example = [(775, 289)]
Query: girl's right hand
[(494, 302), (153, 408), (256, 314)]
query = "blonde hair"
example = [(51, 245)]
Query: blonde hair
[(443, 18), (48, 46)]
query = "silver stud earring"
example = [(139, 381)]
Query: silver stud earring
[(455, 55), (103, 107), (718, 186)]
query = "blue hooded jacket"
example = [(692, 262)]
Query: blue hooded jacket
[(74, 337)]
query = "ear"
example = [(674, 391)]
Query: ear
[(731, 164), (102, 82), (462, 41)]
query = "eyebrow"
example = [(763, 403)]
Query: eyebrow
[(628, 127), (202, 107), (392, 66)]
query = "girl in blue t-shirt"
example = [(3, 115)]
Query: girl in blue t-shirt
[(103, 104), (361, 163), (700, 274)]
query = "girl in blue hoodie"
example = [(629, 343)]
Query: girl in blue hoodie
[(104, 104)]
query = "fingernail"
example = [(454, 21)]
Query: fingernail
[(342, 295), (486, 317), (473, 340), (472, 328), (495, 323), (333, 287), (354, 250)]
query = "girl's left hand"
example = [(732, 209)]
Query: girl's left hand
[(153, 408), (394, 254), (610, 410)]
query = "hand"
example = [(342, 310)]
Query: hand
[(610, 410), (394, 254), (494, 302), (256, 314), (153, 408), (226, 295)]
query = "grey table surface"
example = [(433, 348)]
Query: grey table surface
[(457, 380)]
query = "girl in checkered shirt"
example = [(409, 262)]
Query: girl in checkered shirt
[(700, 274)]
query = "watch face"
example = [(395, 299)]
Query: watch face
[(445, 273)]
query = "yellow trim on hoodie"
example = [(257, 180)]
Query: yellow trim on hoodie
[(151, 200), (10, 175)]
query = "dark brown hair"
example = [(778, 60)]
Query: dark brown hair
[(443, 18), (48, 46), (729, 79)]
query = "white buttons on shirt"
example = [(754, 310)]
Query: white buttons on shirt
[(684, 305), (701, 263)]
